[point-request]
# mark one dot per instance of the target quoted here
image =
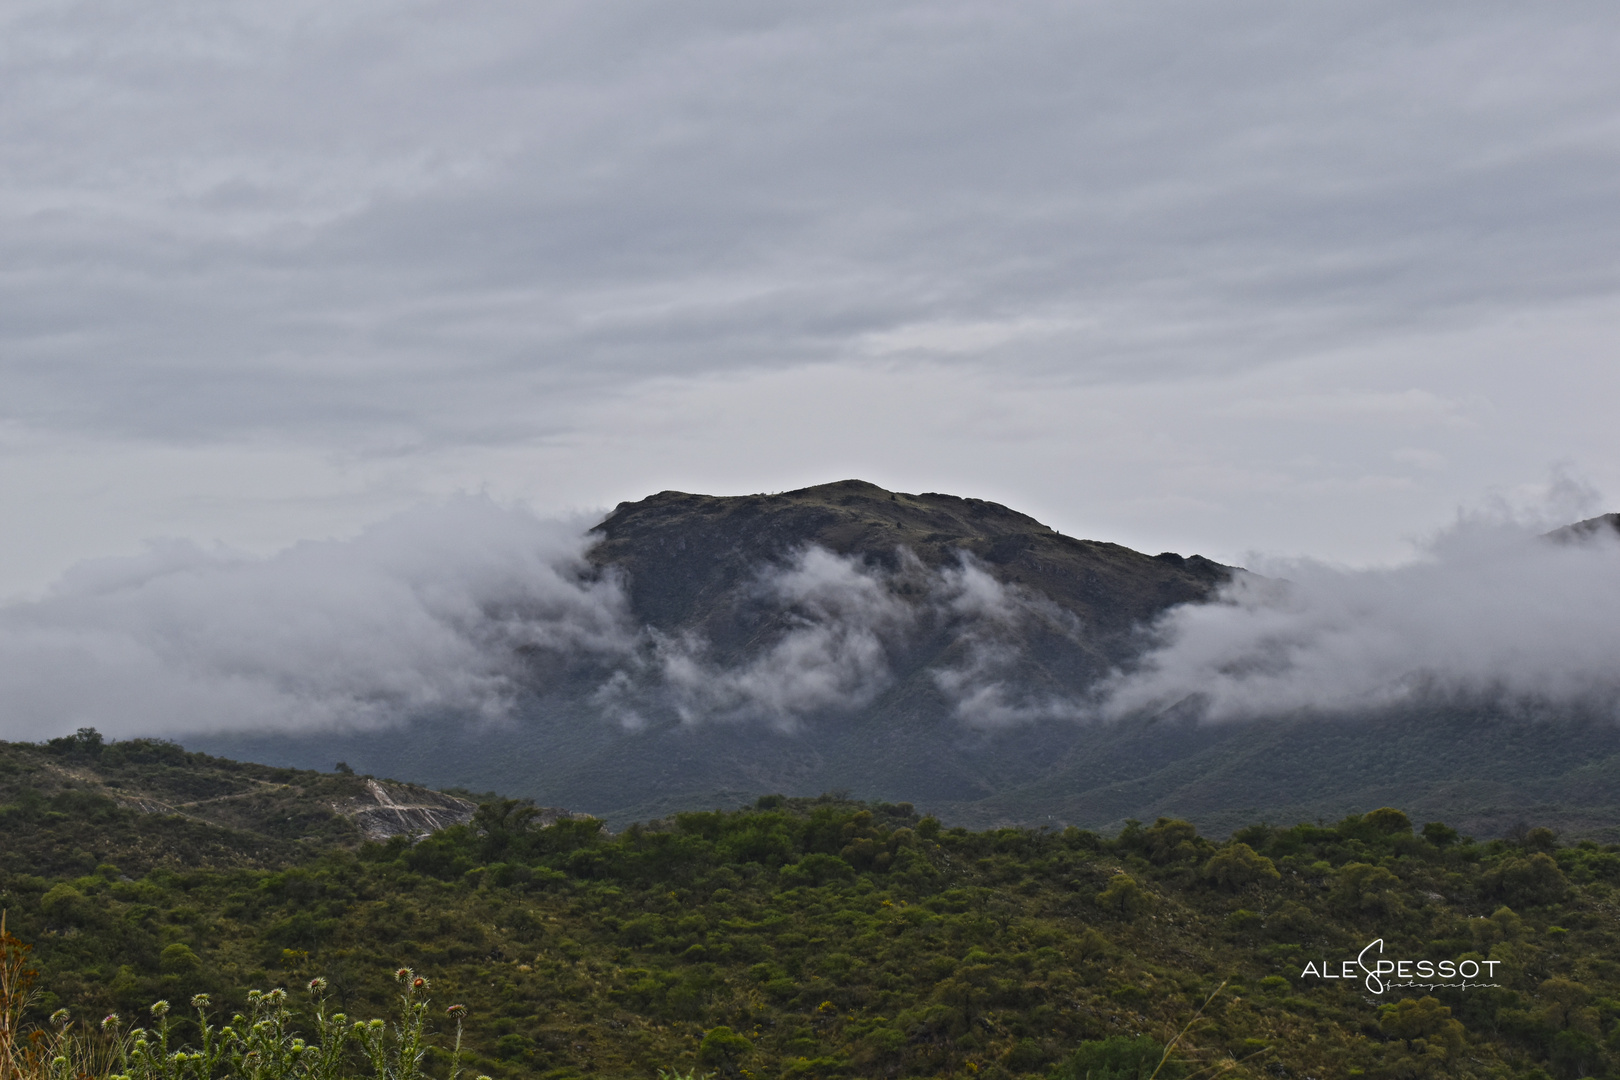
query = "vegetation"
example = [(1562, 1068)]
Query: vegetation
[(806, 938)]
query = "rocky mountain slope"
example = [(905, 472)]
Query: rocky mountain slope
[(941, 651)]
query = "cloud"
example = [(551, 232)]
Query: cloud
[(831, 633), (1493, 611), (386, 252), (987, 683), (841, 624), (234, 219), (424, 613), (466, 611)]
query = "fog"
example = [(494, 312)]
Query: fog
[(466, 610), (843, 632), (1493, 610), (439, 612), (422, 613)]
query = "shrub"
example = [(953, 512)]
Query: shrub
[(1120, 1057), (1237, 865), (178, 959), (723, 1049), (1123, 897), (64, 903), (1527, 881)]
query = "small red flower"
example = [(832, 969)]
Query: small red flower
[(419, 983)]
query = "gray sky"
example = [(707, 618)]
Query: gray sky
[(1228, 278)]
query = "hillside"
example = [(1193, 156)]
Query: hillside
[(75, 802), (940, 651), (819, 938)]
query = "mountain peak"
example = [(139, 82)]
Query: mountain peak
[(1583, 530), (679, 551)]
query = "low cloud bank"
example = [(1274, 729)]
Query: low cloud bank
[(464, 610), (467, 610), (843, 629), (423, 613), (1493, 610)]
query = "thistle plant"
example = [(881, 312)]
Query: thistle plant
[(410, 1045), (262, 1044)]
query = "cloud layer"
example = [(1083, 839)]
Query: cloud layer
[(467, 611), (839, 633), (1278, 277), (422, 614), (1494, 611)]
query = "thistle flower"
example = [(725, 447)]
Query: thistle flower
[(456, 1011), (199, 1001), (376, 1024), (60, 1018), (317, 985), (109, 1021), (419, 983), (159, 1009), (276, 996), (402, 974)]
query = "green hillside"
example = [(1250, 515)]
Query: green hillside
[(821, 937)]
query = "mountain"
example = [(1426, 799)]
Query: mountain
[(940, 651), (839, 637), (690, 558), (1582, 530)]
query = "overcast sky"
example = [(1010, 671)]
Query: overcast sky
[(1226, 278)]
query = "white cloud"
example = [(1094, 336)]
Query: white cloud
[(420, 614), (1492, 612), (842, 623)]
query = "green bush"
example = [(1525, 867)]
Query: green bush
[(723, 1048), (1121, 1057)]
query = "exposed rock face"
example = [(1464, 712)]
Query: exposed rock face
[(386, 811)]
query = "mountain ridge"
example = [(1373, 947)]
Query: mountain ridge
[(729, 592)]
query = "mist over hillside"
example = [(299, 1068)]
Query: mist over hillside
[(697, 650)]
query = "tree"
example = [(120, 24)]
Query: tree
[(1529, 880), (1237, 865), (723, 1049), (1428, 1034), (1123, 896)]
